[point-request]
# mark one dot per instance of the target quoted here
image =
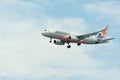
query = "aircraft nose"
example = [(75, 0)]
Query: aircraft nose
[(43, 33)]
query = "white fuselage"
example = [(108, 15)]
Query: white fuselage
[(69, 37), (61, 37)]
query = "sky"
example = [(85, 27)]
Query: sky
[(26, 55)]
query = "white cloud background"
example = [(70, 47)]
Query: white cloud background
[(109, 9), (25, 54)]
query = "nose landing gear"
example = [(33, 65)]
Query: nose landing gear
[(50, 40)]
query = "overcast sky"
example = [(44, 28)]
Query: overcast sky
[(26, 55)]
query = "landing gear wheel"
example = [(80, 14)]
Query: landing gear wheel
[(68, 46), (50, 40), (78, 44)]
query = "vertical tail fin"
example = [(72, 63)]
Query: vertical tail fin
[(103, 33)]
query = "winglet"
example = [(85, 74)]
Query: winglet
[(104, 31)]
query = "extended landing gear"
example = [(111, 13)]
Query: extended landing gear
[(50, 40), (68, 46), (78, 44)]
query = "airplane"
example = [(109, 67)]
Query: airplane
[(62, 37)]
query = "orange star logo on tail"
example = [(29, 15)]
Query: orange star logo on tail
[(104, 31)]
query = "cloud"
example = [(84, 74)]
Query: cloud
[(73, 24), (24, 9), (26, 54), (109, 74), (109, 9)]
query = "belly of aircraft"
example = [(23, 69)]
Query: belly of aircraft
[(90, 40)]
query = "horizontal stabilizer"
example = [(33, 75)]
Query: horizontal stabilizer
[(108, 39), (105, 40)]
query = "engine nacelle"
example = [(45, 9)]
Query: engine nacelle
[(58, 42)]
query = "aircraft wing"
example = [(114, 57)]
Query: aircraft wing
[(88, 35), (91, 34)]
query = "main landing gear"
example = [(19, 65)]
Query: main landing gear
[(68, 46), (78, 44)]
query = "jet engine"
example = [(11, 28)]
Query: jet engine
[(58, 42)]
